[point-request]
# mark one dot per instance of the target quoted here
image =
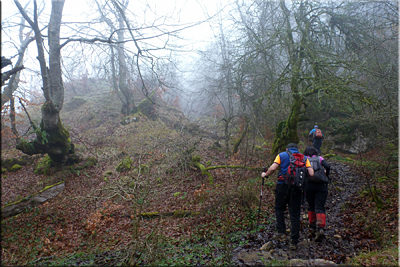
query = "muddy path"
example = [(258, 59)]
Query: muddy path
[(342, 238)]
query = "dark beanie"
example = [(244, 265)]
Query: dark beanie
[(291, 145)]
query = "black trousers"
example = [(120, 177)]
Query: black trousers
[(316, 194), (288, 197), (317, 143)]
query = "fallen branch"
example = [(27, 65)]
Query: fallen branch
[(31, 201), (205, 170)]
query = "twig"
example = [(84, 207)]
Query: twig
[(84, 143), (44, 258), (29, 117)]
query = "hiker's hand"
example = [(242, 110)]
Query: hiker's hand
[(263, 174)]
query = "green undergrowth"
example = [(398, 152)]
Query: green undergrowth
[(384, 257)]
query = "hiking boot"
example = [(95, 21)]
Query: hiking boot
[(320, 235), (293, 246), (312, 231), (279, 237)]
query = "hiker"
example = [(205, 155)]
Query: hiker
[(317, 136), (316, 193), (286, 194)]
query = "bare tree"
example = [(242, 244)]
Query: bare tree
[(52, 136)]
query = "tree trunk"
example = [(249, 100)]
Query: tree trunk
[(286, 131), (239, 141), (52, 137), (128, 105)]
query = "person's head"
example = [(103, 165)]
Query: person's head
[(316, 127), (310, 151), (291, 145)]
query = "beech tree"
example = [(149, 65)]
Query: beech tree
[(52, 137)]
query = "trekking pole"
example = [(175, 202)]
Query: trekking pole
[(337, 191), (259, 207)]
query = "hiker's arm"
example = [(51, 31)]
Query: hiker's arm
[(271, 169), (310, 170), (326, 166)]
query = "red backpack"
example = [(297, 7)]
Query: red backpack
[(318, 133), (296, 173)]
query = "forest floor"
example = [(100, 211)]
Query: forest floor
[(83, 229), (106, 217)]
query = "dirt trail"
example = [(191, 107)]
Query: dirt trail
[(334, 249)]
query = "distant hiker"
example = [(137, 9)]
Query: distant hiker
[(287, 194), (317, 136), (316, 193)]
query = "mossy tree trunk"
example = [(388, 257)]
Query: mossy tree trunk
[(227, 133), (52, 136), (242, 135), (286, 131)]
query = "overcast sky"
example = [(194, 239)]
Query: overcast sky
[(179, 12)]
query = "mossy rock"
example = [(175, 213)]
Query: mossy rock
[(196, 158), (147, 107), (44, 165), (3, 170), (26, 160), (90, 162), (8, 163), (15, 168), (125, 165)]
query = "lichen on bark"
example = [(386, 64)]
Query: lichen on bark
[(286, 131)]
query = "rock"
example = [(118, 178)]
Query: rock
[(337, 236), (267, 246), (316, 262), (322, 262)]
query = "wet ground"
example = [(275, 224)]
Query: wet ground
[(334, 249)]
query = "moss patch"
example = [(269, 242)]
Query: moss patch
[(44, 165), (15, 168), (125, 165), (196, 158), (147, 107), (90, 162)]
